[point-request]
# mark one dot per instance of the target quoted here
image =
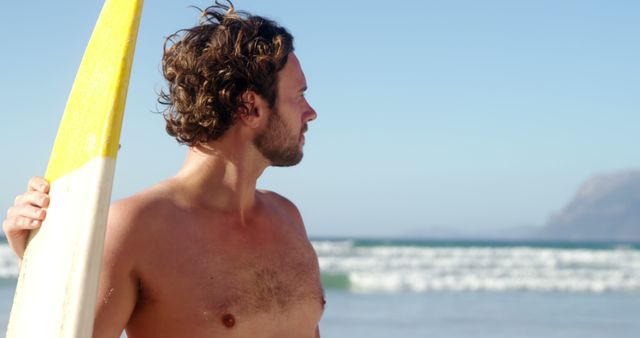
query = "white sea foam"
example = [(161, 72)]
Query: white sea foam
[(392, 268), (400, 268)]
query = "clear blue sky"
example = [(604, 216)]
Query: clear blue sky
[(469, 115)]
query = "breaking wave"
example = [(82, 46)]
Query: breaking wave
[(411, 267)]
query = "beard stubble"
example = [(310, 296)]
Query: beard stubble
[(278, 144)]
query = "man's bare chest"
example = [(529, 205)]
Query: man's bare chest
[(212, 279), (265, 282)]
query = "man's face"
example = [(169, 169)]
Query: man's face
[(282, 140)]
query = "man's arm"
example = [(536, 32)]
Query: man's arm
[(118, 287)]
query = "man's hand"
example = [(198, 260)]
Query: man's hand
[(26, 214)]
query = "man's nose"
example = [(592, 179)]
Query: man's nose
[(310, 115)]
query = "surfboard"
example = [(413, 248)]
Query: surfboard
[(57, 286)]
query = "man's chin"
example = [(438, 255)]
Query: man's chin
[(288, 162)]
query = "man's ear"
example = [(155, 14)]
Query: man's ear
[(253, 111)]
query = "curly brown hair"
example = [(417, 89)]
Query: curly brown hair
[(208, 67)]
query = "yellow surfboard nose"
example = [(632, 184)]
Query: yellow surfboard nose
[(94, 111)]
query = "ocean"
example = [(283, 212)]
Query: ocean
[(419, 288)]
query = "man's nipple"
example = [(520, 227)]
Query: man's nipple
[(229, 320)]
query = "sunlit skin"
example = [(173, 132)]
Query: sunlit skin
[(205, 254)]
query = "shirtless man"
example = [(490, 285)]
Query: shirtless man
[(204, 254)]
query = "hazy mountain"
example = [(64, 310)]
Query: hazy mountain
[(606, 207)]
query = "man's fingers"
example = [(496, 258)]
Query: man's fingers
[(29, 211), (20, 223), (34, 198), (26, 223), (15, 228), (37, 183), (23, 217)]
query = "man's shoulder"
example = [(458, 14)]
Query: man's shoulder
[(282, 203), (146, 206), (274, 197)]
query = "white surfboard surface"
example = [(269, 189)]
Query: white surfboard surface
[(57, 287)]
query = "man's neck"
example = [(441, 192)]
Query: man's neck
[(223, 175)]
